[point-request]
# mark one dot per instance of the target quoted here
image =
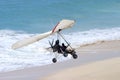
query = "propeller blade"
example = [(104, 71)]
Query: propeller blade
[(51, 44)]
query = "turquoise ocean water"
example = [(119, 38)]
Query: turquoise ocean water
[(36, 16), (96, 20)]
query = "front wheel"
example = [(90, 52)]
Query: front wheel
[(75, 56)]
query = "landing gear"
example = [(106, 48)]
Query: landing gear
[(74, 56), (65, 54), (54, 60)]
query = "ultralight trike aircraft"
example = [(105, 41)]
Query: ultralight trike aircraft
[(60, 49)]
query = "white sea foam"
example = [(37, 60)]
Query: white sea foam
[(92, 36), (32, 55), (36, 54)]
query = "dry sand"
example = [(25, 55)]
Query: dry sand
[(100, 70), (91, 64)]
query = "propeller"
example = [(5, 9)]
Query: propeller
[(51, 43)]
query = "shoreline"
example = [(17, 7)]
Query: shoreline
[(87, 54)]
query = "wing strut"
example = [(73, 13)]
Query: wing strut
[(65, 40)]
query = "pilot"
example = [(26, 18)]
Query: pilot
[(64, 48), (57, 47)]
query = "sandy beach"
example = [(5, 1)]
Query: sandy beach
[(97, 61), (100, 70)]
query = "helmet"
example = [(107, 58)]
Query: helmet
[(63, 44)]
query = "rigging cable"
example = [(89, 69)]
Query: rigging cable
[(65, 40)]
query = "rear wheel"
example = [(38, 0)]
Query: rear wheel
[(65, 54), (54, 60)]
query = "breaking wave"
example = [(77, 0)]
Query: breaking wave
[(36, 54)]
